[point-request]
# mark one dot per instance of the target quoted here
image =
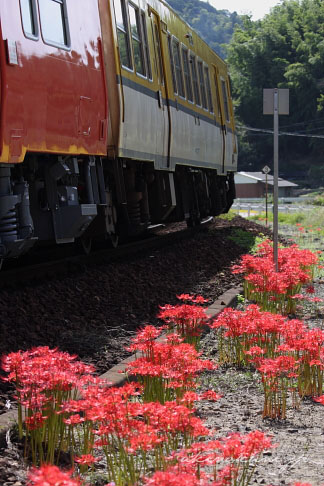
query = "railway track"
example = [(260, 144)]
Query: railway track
[(30, 271)]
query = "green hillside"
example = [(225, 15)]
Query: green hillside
[(216, 27)]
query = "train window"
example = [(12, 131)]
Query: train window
[(174, 81), (122, 34), (209, 94), (202, 85), (218, 109), (54, 23), (186, 70), (158, 53), (146, 47), (194, 78), (178, 67), (29, 18), (134, 20), (225, 98)]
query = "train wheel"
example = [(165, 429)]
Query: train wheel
[(85, 244), (193, 221), (114, 240)]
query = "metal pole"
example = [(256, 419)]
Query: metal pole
[(266, 199), (275, 176)]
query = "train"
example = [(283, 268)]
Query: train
[(115, 116)]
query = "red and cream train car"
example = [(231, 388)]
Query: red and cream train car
[(114, 115)]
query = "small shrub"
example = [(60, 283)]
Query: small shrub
[(242, 238), (228, 216)]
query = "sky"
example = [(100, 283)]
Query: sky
[(258, 8)]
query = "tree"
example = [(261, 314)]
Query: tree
[(285, 50)]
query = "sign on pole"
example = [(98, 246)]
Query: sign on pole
[(275, 102), (283, 101), (266, 171)]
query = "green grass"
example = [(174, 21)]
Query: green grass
[(284, 218), (228, 216), (305, 228), (318, 200), (245, 239)]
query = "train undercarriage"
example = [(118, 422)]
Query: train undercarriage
[(69, 199)]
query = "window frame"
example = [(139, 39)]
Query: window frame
[(146, 47), (208, 88), (65, 24), (195, 79), (173, 74), (34, 37), (137, 39), (176, 43), (185, 55), (225, 100), (218, 111), (201, 80), (126, 33), (158, 61)]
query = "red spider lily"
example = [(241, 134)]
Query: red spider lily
[(45, 378), (74, 419), (302, 484), (237, 446), (188, 320), (226, 460), (186, 297), (135, 429), (168, 370), (315, 299), (48, 475), (280, 366), (173, 478), (144, 339), (240, 330), (35, 421), (210, 395), (87, 459), (310, 289), (319, 399), (190, 397), (278, 375), (298, 297), (271, 289), (200, 300), (191, 298), (255, 351), (185, 474)]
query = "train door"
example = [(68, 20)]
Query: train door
[(224, 115), (163, 138)]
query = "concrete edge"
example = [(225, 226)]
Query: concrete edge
[(116, 375)]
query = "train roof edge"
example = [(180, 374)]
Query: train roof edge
[(164, 2)]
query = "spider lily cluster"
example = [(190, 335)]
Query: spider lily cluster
[(166, 369), (288, 355), (187, 319), (276, 291), (146, 434)]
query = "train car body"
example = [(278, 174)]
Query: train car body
[(114, 115)]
